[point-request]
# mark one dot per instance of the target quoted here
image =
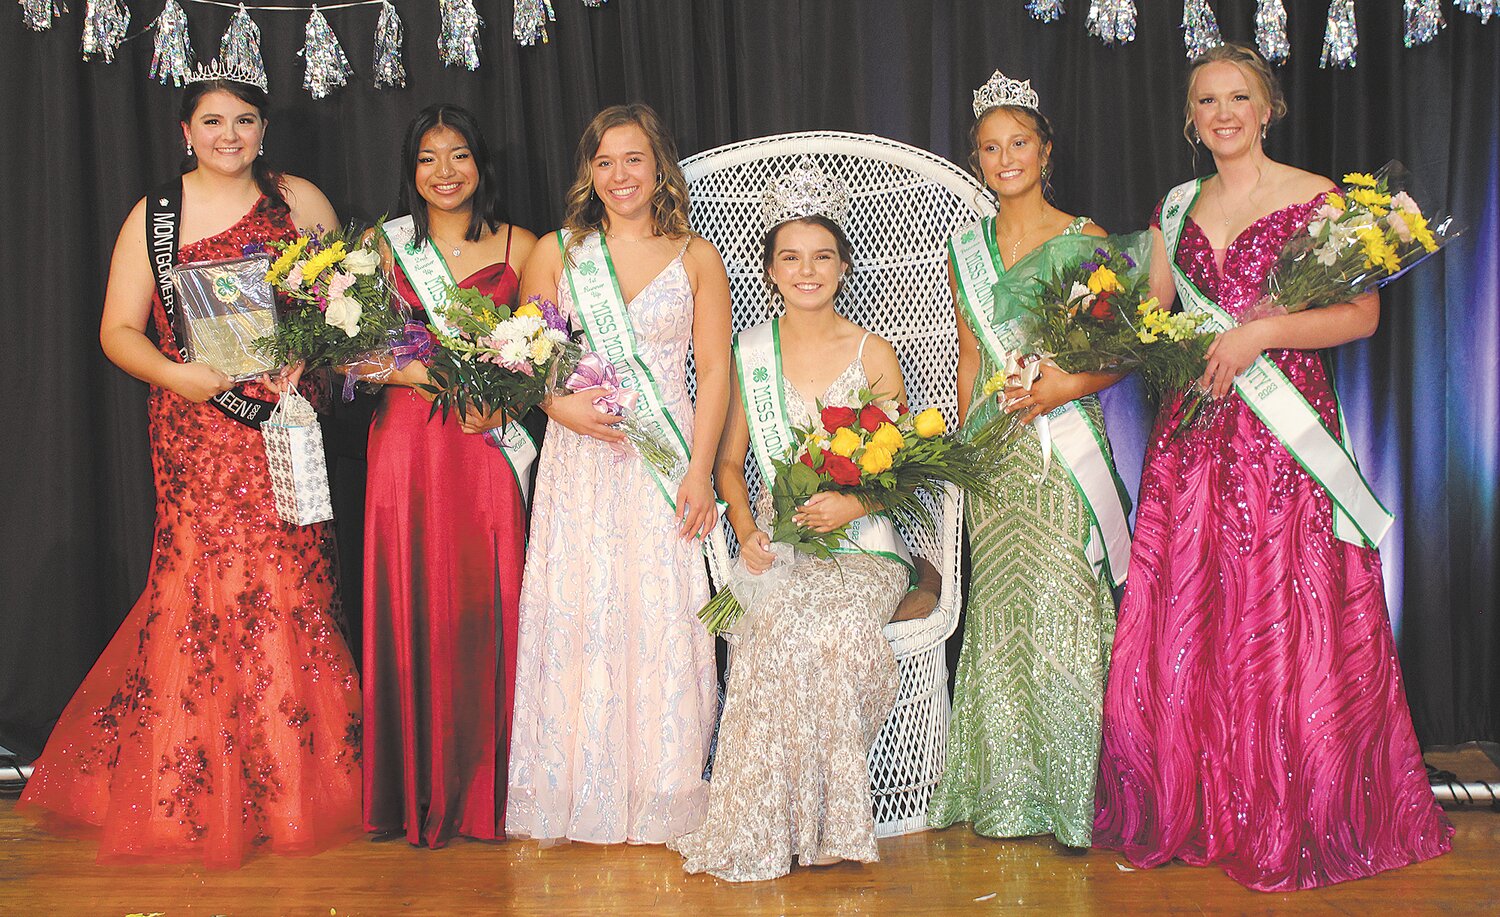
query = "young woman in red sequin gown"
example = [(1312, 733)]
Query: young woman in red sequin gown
[(223, 717), (445, 535), (1254, 717)]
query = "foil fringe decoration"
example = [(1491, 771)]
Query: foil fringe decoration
[(1424, 19), (458, 41), (1200, 30), (172, 57), (239, 49), (1270, 31), (38, 14), (1484, 9), (390, 70), (593, 2), (1341, 38), (327, 66), (530, 21), (104, 25), (1045, 10), (1112, 21)]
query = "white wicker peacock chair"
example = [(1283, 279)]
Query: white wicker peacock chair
[(905, 204)]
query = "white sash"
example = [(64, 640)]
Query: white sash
[(606, 323), (1358, 516), (758, 358), (429, 276), (975, 255)]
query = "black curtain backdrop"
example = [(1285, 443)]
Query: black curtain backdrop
[(81, 142)]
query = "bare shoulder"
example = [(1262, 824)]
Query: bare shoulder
[(133, 230), (310, 207), (879, 359), (545, 255), (1299, 186), (701, 253), (1094, 229)]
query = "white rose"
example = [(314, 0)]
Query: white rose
[(343, 313), (362, 261)]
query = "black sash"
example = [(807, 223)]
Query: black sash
[(163, 218)]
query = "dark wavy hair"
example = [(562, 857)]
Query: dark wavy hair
[(485, 210), (267, 179)]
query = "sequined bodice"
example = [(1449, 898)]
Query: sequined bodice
[(1240, 283), (839, 392)]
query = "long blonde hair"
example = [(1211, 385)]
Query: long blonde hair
[(669, 199)]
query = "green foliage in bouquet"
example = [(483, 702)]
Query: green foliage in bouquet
[(337, 304)]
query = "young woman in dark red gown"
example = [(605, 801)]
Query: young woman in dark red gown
[(223, 717), (445, 524)]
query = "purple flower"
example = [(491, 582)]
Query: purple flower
[(1090, 266), (1129, 261), (551, 314), (1103, 255), (253, 248)]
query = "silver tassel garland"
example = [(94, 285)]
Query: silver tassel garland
[(1484, 9), (390, 71), (104, 25), (1112, 21), (38, 14), (173, 55), (1200, 30), (1341, 38), (327, 67), (593, 2), (1424, 19), (1045, 10), (458, 42), (531, 20), (1270, 31), (239, 49)]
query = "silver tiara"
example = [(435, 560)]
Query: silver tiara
[(803, 192), (1002, 90), (217, 71)]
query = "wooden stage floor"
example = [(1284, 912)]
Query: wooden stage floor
[(937, 872)]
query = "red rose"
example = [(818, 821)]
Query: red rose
[(840, 469), (834, 418), (807, 460), (1101, 309), (871, 417)]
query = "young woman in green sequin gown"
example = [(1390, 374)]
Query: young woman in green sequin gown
[(1023, 747)]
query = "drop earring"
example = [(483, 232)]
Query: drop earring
[(262, 150), (189, 147), (1197, 138), (1264, 129)]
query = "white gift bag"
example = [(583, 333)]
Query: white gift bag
[(294, 452)]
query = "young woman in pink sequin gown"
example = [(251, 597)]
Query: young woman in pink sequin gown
[(616, 692), (1254, 716), (223, 718)]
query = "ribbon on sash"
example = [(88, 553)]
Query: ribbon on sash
[(1358, 516), (163, 221), (430, 279), (974, 255), (758, 357), (590, 274)]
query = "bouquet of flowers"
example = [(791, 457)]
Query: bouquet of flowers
[(874, 449), (491, 359), (340, 304), (1090, 309), (1362, 237)]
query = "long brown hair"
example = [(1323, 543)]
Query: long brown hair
[(1039, 125), (267, 179), (669, 199)]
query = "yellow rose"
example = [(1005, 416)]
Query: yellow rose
[(886, 436), (930, 423), (529, 309), (875, 460), (844, 442), (1103, 280)]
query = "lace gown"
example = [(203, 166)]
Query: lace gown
[(224, 715), (811, 682), (1255, 716), (615, 683), (445, 540), (1023, 746)]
